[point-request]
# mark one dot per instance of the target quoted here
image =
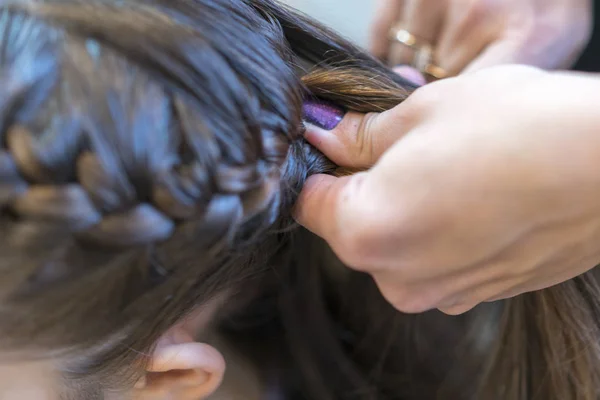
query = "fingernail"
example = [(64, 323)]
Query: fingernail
[(411, 74), (323, 114)]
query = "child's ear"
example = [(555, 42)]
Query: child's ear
[(181, 369)]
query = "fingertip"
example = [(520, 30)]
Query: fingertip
[(411, 74), (356, 142), (333, 143), (318, 137), (387, 14), (321, 118), (318, 206), (324, 114)]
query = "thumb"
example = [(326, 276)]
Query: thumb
[(354, 140), (327, 204)]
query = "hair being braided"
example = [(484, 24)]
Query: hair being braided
[(150, 157), (142, 153), (140, 160)]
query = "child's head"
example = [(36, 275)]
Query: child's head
[(151, 153), (142, 150)]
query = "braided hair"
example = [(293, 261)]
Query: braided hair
[(150, 157), (139, 162), (151, 153)]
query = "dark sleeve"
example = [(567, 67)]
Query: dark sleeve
[(590, 60)]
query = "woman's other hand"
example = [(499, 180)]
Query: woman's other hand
[(478, 188), (468, 35)]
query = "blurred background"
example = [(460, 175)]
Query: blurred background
[(351, 18)]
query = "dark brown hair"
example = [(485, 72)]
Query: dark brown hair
[(151, 155)]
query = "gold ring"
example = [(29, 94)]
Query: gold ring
[(423, 58), (435, 71), (406, 38)]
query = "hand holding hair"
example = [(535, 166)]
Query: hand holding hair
[(151, 158), (477, 188)]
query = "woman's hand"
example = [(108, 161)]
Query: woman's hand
[(472, 34), (482, 187)]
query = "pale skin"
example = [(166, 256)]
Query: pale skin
[(468, 35), (446, 218), (478, 188)]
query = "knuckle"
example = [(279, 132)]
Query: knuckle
[(355, 136), (364, 139)]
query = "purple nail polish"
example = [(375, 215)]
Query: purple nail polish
[(323, 114)]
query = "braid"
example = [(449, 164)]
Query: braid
[(141, 170), (177, 195), (107, 192)]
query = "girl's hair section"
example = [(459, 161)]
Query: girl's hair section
[(151, 155)]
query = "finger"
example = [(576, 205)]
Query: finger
[(388, 13), (454, 59), (466, 33), (350, 214), (323, 199), (318, 198), (360, 139), (423, 19), (549, 49), (506, 51)]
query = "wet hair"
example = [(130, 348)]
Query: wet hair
[(151, 155)]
